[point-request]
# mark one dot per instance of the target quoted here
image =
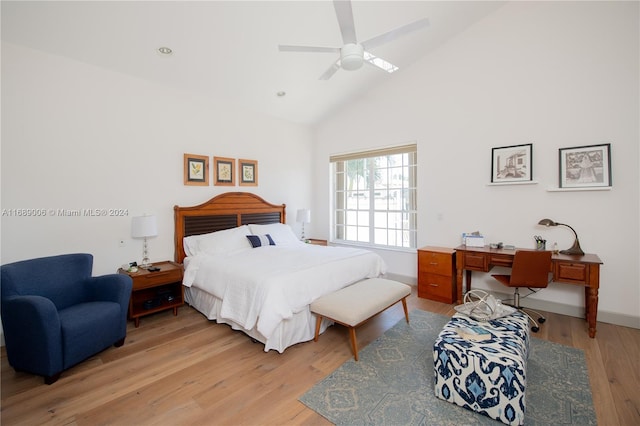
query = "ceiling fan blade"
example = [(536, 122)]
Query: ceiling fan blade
[(379, 62), (287, 48), (393, 34), (344, 13), (331, 71)]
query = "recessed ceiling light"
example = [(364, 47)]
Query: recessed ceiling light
[(281, 93), (165, 50)]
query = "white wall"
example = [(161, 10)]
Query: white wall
[(555, 74), (76, 137)]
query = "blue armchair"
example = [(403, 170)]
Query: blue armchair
[(55, 314)]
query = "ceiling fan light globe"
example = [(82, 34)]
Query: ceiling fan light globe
[(351, 56)]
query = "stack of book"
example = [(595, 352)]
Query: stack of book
[(475, 333)]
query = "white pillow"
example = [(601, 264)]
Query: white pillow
[(281, 233), (217, 242), (190, 244)]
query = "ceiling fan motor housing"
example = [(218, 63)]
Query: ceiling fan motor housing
[(351, 56)]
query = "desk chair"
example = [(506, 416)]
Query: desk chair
[(530, 269)]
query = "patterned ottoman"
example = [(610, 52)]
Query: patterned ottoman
[(486, 376)]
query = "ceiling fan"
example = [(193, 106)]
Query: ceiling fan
[(352, 53)]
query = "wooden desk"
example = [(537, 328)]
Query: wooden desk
[(577, 270)]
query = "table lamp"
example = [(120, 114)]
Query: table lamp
[(144, 227), (304, 216), (575, 248)]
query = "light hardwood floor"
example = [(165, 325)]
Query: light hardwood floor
[(187, 370)]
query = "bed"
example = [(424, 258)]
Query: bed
[(261, 285)]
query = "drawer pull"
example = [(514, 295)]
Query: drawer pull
[(433, 263), (433, 285)]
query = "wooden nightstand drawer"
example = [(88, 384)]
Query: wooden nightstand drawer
[(146, 279)]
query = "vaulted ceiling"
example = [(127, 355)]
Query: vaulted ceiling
[(228, 50)]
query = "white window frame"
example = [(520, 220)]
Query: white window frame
[(371, 204)]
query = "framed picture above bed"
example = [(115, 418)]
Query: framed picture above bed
[(248, 170), (196, 170), (224, 173)]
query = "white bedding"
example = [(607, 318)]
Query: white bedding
[(262, 287)]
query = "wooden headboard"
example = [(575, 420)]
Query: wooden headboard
[(224, 211)]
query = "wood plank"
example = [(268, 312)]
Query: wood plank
[(600, 389), (619, 366)]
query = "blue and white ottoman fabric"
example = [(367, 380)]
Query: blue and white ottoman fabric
[(488, 376)]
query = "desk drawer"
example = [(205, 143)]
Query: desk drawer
[(501, 260), (436, 287), (476, 262), (571, 272)]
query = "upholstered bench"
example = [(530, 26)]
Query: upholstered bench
[(487, 376), (355, 304)]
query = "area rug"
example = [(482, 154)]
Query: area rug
[(392, 384)]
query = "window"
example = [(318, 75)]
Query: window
[(375, 197)]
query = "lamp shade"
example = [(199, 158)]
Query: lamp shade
[(144, 226), (303, 215), (547, 222)]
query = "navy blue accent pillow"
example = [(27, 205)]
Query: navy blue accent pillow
[(261, 240)]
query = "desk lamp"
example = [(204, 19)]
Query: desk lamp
[(144, 227), (575, 248)]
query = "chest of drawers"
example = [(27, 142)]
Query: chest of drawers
[(437, 274)]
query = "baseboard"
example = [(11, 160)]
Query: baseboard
[(575, 311), (548, 306), (412, 281)]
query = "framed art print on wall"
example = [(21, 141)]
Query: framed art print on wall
[(512, 163), (585, 166), (248, 170), (224, 171), (196, 170)]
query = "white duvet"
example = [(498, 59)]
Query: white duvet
[(263, 286)]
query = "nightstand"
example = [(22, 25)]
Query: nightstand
[(155, 291), (316, 242)]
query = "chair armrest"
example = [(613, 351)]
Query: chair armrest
[(33, 334), (111, 287)]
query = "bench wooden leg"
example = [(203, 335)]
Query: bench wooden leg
[(318, 322), (406, 312), (354, 343)]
